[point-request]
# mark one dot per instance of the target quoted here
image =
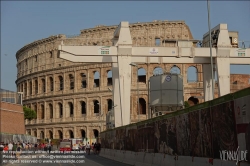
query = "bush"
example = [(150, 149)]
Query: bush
[(29, 113), (186, 104)]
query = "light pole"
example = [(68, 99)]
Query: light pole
[(210, 43), (21, 97), (135, 65)]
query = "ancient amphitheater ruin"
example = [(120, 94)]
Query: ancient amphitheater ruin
[(69, 97)]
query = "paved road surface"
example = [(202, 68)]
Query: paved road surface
[(57, 159)]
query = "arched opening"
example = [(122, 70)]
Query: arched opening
[(60, 134), (50, 134), (83, 134), (36, 86), (51, 84), (41, 135), (35, 134), (157, 41), (43, 86), (110, 104), (142, 75), (109, 78), (142, 106), (60, 82), (175, 70), (192, 75), (29, 132), (71, 134), (96, 106), (96, 133), (96, 79), (25, 89), (21, 88), (50, 111), (157, 71), (84, 80), (71, 81), (83, 107), (35, 109), (60, 106), (71, 109), (30, 88), (42, 111)]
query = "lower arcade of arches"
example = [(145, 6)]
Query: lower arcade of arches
[(86, 133)]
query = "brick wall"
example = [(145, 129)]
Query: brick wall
[(11, 118)]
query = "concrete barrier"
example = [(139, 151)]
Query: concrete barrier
[(159, 159)]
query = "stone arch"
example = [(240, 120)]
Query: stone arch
[(59, 134), (96, 133), (50, 136), (51, 84), (71, 109), (142, 106), (110, 104), (30, 87), (42, 112), (42, 135), (83, 80), (60, 78), (141, 75), (69, 134), (96, 79), (60, 110), (157, 71), (25, 89), (36, 86), (83, 108), (83, 133), (109, 78), (50, 111), (175, 70), (192, 74), (28, 132), (157, 41), (96, 106), (71, 81), (43, 85), (35, 109), (35, 133)]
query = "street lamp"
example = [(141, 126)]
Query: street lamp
[(135, 65), (21, 97), (210, 46)]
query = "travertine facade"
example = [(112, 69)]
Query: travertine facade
[(69, 98)]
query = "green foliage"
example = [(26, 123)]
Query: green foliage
[(186, 104), (29, 113)]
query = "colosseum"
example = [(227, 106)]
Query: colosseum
[(68, 97)]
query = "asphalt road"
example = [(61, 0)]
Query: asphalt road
[(58, 159)]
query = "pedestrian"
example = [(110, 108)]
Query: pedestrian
[(88, 148)]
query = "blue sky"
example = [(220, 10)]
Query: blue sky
[(25, 22)]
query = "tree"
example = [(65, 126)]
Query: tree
[(29, 113), (186, 104)]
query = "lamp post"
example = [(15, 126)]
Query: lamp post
[(21, 97), (135, 65), (210, 43)]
